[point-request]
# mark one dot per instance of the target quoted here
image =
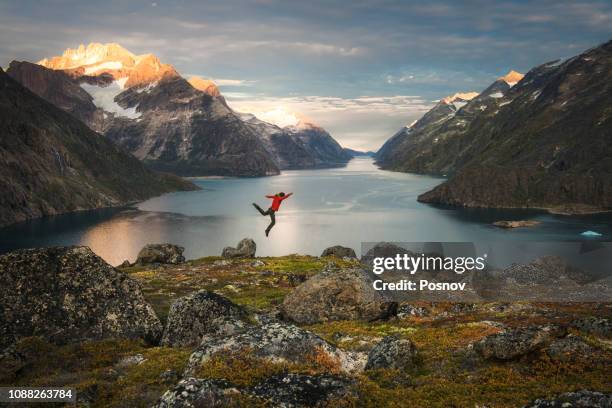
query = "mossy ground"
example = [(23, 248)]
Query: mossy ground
[(443, 377)]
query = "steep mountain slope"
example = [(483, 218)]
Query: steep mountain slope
[(179, 126), (545, 142), (52, 163), (301, 146)]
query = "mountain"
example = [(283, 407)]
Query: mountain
[(359, 153), (300, 146), (171, 124), (542, 142), (52, 163)]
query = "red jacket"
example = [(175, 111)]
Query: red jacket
[(277, 200)]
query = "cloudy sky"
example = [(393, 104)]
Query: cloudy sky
[(360, 68)]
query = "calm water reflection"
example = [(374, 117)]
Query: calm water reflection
[(343, 206)]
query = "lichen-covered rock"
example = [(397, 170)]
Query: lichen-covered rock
[(301, 390), (69, 293), (198, 314), (594, 325), (340, 252), (392, 352), (246, 249), (194, 392), (518, 342), (407, 310), (337, 294), (383, 250), (277, 342), (544, 270), (571, 349), (578, 399), (160, 253)]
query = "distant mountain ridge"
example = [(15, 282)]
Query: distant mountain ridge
[(544, 141), (171, 124), (52, 163)]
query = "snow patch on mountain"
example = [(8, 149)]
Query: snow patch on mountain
[(497, 95), (103, 66), (104, 98)]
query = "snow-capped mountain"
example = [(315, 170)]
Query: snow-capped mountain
[(147, 108)]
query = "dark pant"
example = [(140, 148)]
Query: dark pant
[(269, 212)]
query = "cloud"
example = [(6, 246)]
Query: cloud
[(363, 122)]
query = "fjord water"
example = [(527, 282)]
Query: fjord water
[(342, 206)]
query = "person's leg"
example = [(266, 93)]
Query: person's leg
[(259, 209), (272, 221)]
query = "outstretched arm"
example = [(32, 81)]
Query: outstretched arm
[(287, 195), (269, 196)]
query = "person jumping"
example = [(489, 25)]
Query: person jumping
[(277, 199)]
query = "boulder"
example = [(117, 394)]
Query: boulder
[(160, 253), (275, 342), (340, 252), (594, 325), (392, 352), (544, 270), (69, 293), (337, 294), (407, 310), (245, 249), (383, 250), (200, 313), (515, 343), (301, 390), (578, 399), (571, 349), (194, 392)]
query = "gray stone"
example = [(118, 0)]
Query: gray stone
[(275, 342), (337, 294), (571, 349), (406, 310), (340, 252), (515, 343), (246, 249), (194, 392), (67, 294), (578, 399), (594, 325), (200, 313), (392, 352), (160, 253)]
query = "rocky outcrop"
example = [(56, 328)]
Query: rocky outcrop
[(544, 270), (160, 253), (516, 224), (523, 145), (578, 399), (193, 316), (246, 249), (515, 343), (69, 293), (571, 349), (383, 250), (339, 251), (275, 342), (285, 390), (51, 163), (597, 326), (392, 352), (337, 294), (301, 390)]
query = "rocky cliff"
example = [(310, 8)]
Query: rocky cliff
[(543, 142), (175, 125), (52, 163)]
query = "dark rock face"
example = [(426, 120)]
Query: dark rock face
[(193, 316), (339, 251), (276, 342), (337, 294), (51, 163), (594, 325), (392, 352), (518, 342), (246, 249), (544, 143), (301, 390), (194, 392), (578, 399), (67, 294), (160, 253)]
